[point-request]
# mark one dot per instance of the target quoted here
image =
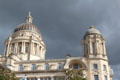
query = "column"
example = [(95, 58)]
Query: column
[(23, 47), (31, 47), (104, 48), (16, 48), (8, 48), (37, 48)]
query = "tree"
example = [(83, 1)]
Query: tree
[(74, 75), (6, 74)]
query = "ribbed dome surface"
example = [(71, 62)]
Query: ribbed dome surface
[(27, 26), (92, 30)]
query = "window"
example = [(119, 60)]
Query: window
[(35, 48), (59, 78), (95, 66), (49, 78), (105, 77), (33, 67), (20, 67), (75, 66), (12, 48), (104, 67), (96, 77), (33, 79), (19, 47), (41, 78), (46, 66), (26, 47), (60, 66), (93, 47), (86, 48)]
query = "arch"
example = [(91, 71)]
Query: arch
[(80, 63)]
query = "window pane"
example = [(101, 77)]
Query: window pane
[(95, 66)]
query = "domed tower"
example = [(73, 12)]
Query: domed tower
[(94, 49), (93, 44), (26, 42)]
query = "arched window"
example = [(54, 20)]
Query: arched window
[(60, 66), (33, 67), (20, 68), (46, 66)]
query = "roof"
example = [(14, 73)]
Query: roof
[(92, 30)]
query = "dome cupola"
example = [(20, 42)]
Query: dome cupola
[(92, 30), (26, 42), (93, 44), (27, 25)]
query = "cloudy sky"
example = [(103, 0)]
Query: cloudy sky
[(64, 22)]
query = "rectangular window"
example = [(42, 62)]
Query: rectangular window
[(19, 47), (46, 66), (27, 47), (96, 77), (33, 67), (75, 66), (60, 66), (59, 78), (104, 67), (93, 47), (13, 46), (20, 68), (105, 78), (95, 66)]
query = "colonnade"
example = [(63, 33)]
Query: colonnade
[(24, 47)]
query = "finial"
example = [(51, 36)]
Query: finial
[(29, 18), (91, 26)]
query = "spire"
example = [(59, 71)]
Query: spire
[(29, 18)]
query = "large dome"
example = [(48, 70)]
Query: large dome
[(92, 30), (27, 25)]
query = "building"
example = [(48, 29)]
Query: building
[(25, 55)]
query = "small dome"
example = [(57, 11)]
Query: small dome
[(92, 30), (27, 25)]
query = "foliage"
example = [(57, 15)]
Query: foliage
[(6, 74), (74, 75)]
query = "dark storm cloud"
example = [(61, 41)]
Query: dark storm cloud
[(63, 23)]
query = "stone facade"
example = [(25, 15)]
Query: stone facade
[(25, 55)]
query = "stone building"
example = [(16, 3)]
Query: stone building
[(25, 55)]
